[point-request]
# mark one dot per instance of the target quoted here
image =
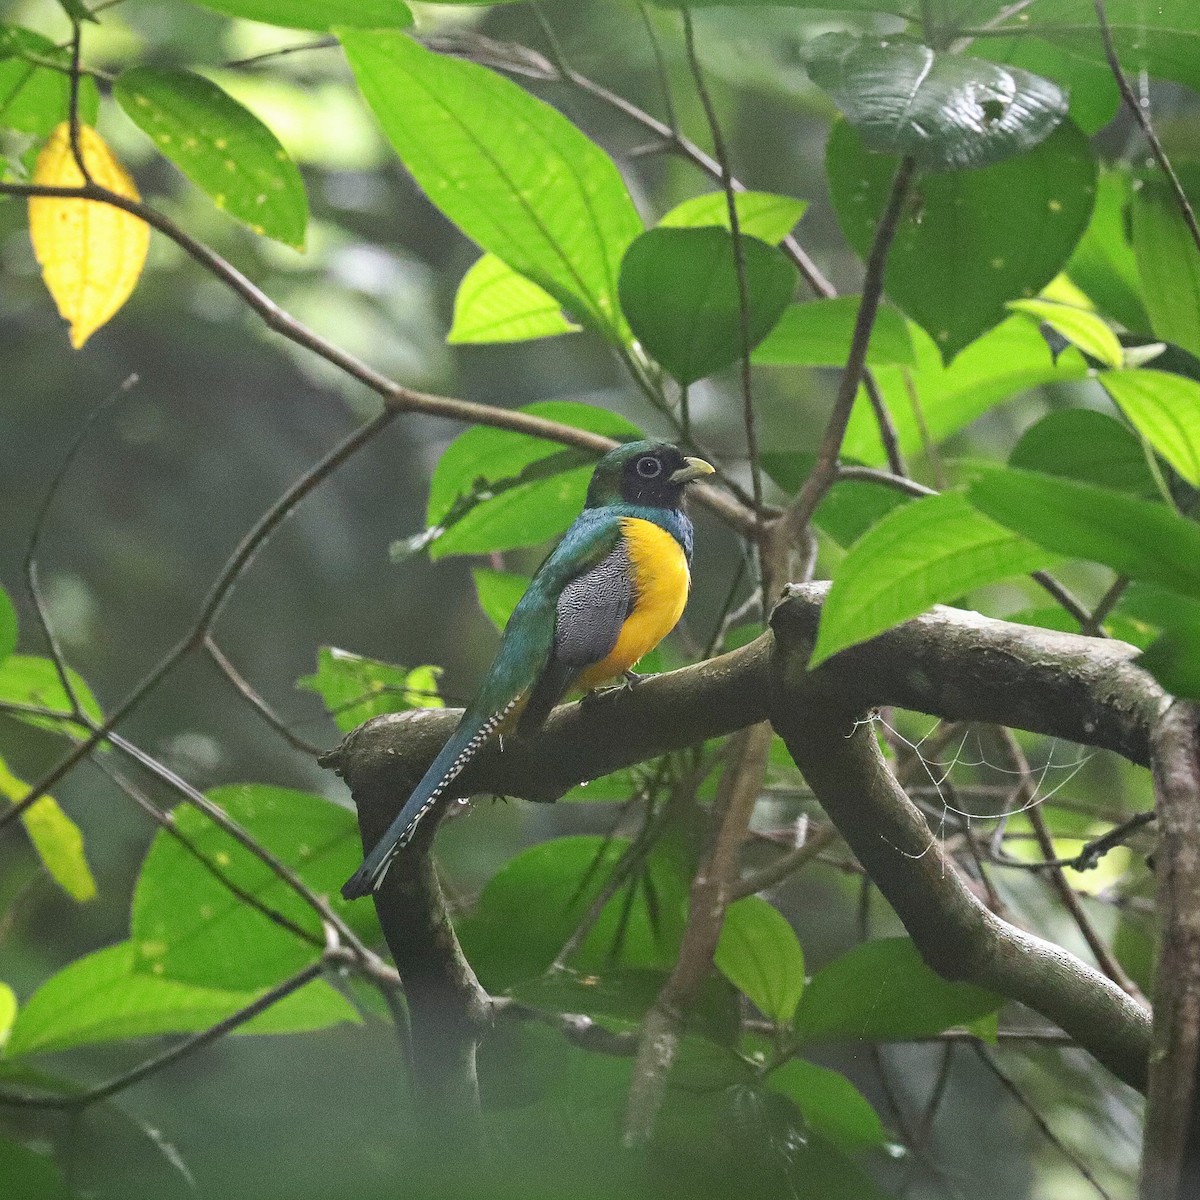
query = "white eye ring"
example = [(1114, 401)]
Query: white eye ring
[(649, 467)]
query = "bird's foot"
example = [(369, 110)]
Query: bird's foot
[(629, 680)]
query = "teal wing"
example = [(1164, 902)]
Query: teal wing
[(525, 669)]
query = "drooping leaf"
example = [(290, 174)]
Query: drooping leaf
[(1168, 262), (946, 111), (831, 1105), (1135, 538), (497, 490), (56, 838), (963, 247), (927, 552), (760, 955), (1165, 410), (34, 98), (498, 593), (762, 215), (29, 679), (91, 254), (187, 925), (882, 991), (1083, 329), (515, 175), (679, 291), (8, 626), (103, 997), (1006, 361), (318, 15), (356, 688), (818, 334), (1080, 443), (220, 146), (495, 304)]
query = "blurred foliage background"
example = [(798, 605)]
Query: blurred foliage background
[(225, 414)]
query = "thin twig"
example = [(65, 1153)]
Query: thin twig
[(786, 864)]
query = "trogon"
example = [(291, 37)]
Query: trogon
[(611, 590)]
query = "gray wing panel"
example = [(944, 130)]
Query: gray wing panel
[(591, 610)]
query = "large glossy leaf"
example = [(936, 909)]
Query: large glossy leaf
[(356, 688), (946, 111), (497, 490), (103, 997), (930, 551), (963, 247), (510, 171), (831, 1105), (1008, 360), (188, 926), (881, 991), (679, 291), (495, 304), (318, 14), (1080, 443), (220, 146), (8, 626), (763, 215), (34, 98), (557, 881), (30, 679), (1165, 410), (818, 334), (1135, 537), (56, 838), (760, 955), (1168, 262)]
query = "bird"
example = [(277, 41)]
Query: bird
[(612, 589)]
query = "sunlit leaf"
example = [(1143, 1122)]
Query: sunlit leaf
[(763, 215), (495, 304), (318, 14), (8, 1012), (1083, 329), (927, 552), (818, 334), (32, 680), (760, 955), (1168, 262), (1165, 410), (356, 688), (220, 146), (498, 593), (34, 97), (91, 254)]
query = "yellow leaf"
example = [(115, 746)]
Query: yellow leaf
[(55, 837), (91, 254), (8, 1012)]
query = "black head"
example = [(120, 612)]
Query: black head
[(645, 473)]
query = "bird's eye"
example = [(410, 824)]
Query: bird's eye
[(649, 467)]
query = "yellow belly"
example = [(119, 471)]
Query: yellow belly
[(660, 574)]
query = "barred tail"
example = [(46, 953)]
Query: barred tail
[(455, 755)]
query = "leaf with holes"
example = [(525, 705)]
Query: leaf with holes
[(495, 304), (945, 111), (220, 146)]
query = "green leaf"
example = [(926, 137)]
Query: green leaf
[(512, 173), (830, 1104), (558, 880), (56, 838), (1173, 658), (1083, 329), (29, 1175), (1168, 263), (760, 955), (497, 490), (946, 111), (498, 593), (1080, 443), (818, 334), (8, 626), (33, 98), (762, 215), (927, 552), (188, 926), (1135, 538), (1008, 360), (317, 14), (8, 1013), (679, 291), (102, 997), (882, 991), (495, 304), (963, 247), (1165, 410), (220, 146), (28, 679), (356, 688), (1103, 264)]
